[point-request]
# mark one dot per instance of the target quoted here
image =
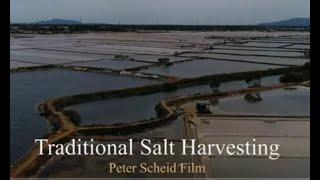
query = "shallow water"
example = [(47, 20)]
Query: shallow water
[(263, 44), (254, 49), (131, 109), (35, 59), (260, 168), (204, 67), (17, 64), (28, 89), (276, 102), (111, 64), (257, 59), (268, 53), (155, 58), (57, 55), (300, 46)]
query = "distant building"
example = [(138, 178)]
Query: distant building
[(164, 60), (203, 107), (307, 53)]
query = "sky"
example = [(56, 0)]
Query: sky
[(209, 12)]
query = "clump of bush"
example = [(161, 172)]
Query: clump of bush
[(253, 98), (120, 57), (295, 77)]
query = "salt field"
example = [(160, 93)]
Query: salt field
[(91, 64)]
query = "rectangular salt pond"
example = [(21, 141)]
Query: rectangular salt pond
[(56, 54), (112, 50), (267, 53), (111, 64), (300, 46), (281, 40), (241, 127), (17, 64), (29, 89), (265, 44), (197, 68), (134, 108), (290, 146), (155, 58), (276, 102), (39, 60), (257, 59), (253, 49), (260, 168)]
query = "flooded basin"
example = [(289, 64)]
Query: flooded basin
[(300, 46), (58, 54), (293, 147), (265, 44), (260, 168), (155, 58), (254, 49), (134, 108), (111, 64), (204, 67), (252, 58), (28, 89), (286, 102), (261, 53), (18, 64), (258, 127), (38, 60)]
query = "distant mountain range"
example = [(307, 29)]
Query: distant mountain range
[(59, 22), (296, 22)]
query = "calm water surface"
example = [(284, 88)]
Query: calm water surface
[(28, 89)]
